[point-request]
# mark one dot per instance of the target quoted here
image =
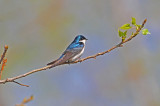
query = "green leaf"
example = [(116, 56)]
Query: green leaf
[(145, 32), (125, 26), (122, 34), (125, 33), (133, 21)]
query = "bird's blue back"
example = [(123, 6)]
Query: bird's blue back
[(76, 44)]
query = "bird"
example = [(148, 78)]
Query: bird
[(73, 52)]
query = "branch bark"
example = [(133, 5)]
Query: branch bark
[(81, 60), (4, 53), (2, 60)]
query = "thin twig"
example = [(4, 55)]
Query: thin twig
[(89, 57), (4, 53), (2, 67), (20, 84), (2, 60)]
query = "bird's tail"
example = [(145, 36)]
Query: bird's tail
[(52, 62)]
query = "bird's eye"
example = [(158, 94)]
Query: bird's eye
[(82, 38)]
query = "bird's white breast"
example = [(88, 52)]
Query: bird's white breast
[(79, 54)]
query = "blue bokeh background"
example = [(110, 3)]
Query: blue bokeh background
[(38, 31)]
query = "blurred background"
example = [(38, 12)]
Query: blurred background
[(38, 31)]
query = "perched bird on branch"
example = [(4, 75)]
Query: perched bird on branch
[(72, 53)]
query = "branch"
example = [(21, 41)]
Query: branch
[(20, 83), (23, 75), (2, 60), (2, 67), (89, 57), (4, 53)]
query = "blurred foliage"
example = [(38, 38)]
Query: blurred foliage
[(38, 31), (25, 100)]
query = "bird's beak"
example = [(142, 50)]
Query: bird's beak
[(86, 39)]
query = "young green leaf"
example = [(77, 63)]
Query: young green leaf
[(133, 21), (125, 26), (122, 34), (145, 32)]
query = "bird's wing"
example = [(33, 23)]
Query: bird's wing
[(68, 54), (65, 56)]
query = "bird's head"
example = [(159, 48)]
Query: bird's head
[(80, 38)]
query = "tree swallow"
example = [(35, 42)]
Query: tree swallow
[(72, 53)]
